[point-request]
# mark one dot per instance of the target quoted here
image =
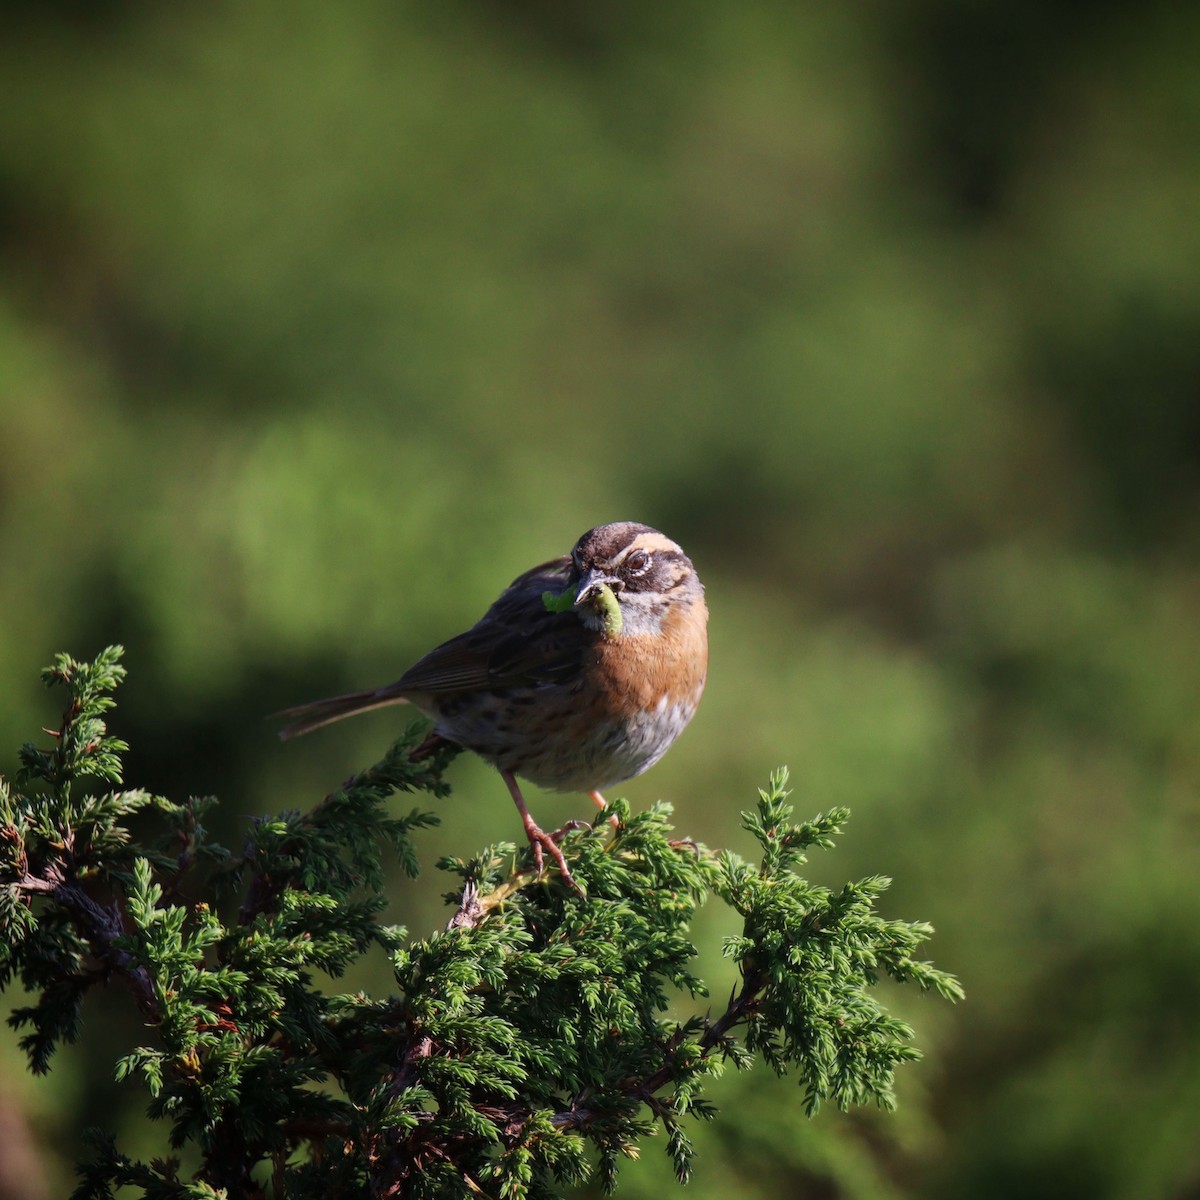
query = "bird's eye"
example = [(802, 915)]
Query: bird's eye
[(637, 562)]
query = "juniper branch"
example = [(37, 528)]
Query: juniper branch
[(530, 1028), (100, 926)]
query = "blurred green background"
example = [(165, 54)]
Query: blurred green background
[(318, 323)]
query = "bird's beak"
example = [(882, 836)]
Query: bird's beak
[(590, 585)]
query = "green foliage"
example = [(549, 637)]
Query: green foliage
[(527, 1046)]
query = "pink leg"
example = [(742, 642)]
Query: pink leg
[(538, 838), (600, 802)]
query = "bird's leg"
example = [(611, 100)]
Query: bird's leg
[(600, 802), (538, 837), (432, 743)]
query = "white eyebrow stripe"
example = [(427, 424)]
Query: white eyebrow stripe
[(651, 542)]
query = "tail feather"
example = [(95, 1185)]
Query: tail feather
[(304, 718)]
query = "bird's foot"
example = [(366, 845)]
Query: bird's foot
[(539, 839), (570, 827)]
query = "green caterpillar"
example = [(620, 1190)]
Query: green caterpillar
[(565, 601)]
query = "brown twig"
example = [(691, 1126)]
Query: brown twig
[(101, 926)]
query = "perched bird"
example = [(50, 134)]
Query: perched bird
[(578, 677)]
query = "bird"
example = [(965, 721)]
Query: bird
[(580, 676)]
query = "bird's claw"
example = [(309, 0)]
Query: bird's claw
[(539, 839), (569, 827)]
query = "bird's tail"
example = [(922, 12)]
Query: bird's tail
[(304, 718)]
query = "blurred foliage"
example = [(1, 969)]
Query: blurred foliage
[(889, 314)]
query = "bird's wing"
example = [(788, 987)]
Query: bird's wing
[(517, 642)]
